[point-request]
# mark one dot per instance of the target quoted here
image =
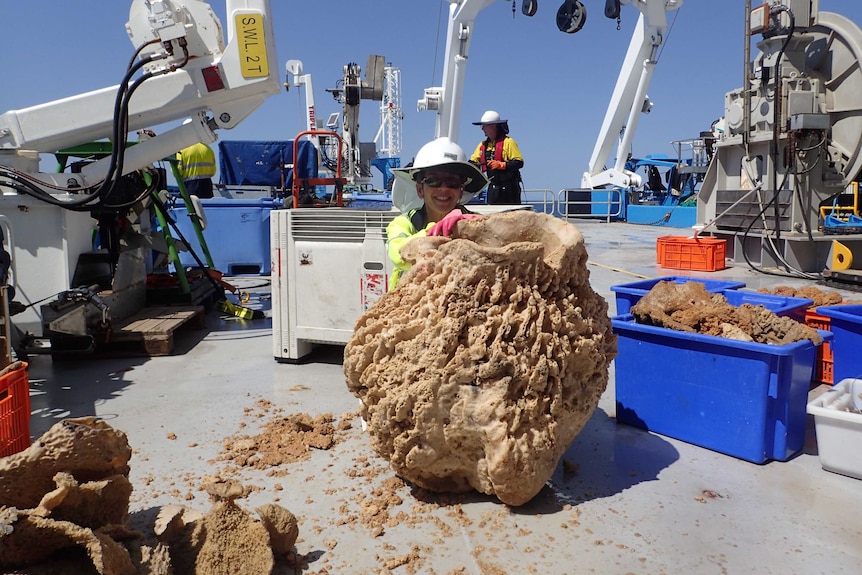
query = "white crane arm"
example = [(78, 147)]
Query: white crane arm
[(629, 96), (446, 99), (294, 67), (217, 86)]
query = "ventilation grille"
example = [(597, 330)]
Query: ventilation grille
[(326, 225)]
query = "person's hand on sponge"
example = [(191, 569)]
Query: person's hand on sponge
[(445, 226)]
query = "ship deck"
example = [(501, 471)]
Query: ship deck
[(622, 500)]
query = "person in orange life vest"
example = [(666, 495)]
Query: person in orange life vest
[(430, 194), (500, 159), (197, 166)]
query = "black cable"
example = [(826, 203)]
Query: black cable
[(153, 186), (26, 184), (121, 121), (778, 257), (118, 155), (776, 115)]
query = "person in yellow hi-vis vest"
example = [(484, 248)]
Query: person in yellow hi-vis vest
[(499, 158), (197, 167), (443, 181)]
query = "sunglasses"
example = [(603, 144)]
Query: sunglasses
[(451, 183)]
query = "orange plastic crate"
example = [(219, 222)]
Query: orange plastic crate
[(14, 411), (824, 366), (685, 253)]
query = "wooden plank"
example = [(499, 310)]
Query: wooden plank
[(147, 333), (157, 321), (151, 331), (158, 345)]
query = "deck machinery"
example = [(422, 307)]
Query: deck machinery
[(184, 71), (789, 142)]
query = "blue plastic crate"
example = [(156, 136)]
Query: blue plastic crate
[(237, 234), (630, 293), (846, 327), (743, 399)]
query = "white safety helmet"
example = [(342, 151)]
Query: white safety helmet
[(442, 154), (490, 117)]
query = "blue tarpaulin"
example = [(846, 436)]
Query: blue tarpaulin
[(259, 163), (385, 165)]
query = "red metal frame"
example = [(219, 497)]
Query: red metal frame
[(337, 181)]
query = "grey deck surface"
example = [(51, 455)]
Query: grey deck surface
[(635, 502)]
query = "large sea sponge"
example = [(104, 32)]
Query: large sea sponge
[(486, 361)]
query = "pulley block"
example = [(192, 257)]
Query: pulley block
[(571, 16)]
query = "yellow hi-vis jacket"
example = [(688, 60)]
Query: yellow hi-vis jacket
[(197, 162), (402, 229)]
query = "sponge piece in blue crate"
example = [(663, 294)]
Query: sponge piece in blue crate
[(745, 316), (628, 294)]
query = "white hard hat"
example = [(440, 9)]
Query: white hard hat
[(444, 155), (447, 156), (490, 117)]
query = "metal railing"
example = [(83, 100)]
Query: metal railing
[(542, 201), (583, 203), (570, 203)]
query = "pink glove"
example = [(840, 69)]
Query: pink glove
[(445, 226)]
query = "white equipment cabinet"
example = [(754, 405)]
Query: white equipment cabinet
[(329, 265), (44, 242)]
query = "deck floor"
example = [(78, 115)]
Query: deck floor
[(633, 502)]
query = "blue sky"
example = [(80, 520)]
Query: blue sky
[(553, 87)]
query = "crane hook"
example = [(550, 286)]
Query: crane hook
[(529, 7)]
